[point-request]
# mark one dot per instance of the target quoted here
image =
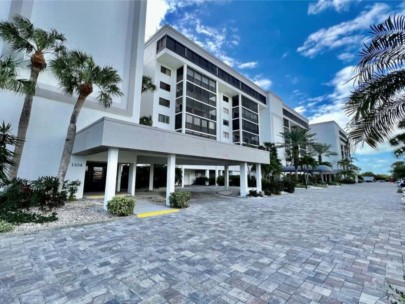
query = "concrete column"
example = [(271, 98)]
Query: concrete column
[(151, 176), (226, 177), (182, 176), (207, 173), (171, 173), (216, 176), (119, 175), (259, 177), (111, 179), (243, 179), (132, 177)]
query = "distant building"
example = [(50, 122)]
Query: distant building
[(332, 134)]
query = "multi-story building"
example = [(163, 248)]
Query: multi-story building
[(332, 134), (189, 108)]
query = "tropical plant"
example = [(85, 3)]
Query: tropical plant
[(146, 120), (8, 76), (307, 163), (399, 140), (147, 84), (180, 199), (321, 149), (398, 170), (295, 140), (121, 206), (378, 102), (348, 169), (6, 155), (23, 37), (274, 167), (77, 73)]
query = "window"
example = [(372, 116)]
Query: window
[(226, 135), (166, 71), (226, 111), (225, 98), (163, 118), (165, 86), (226, 122), (164, 102)]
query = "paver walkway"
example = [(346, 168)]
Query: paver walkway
[(339, 245)]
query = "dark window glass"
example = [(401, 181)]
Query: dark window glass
[(180, 72), (246, 114), (250, 127), (236, 137), (163, 118), (295, 118), (179, 89), (166, 71), (235, 113), (249, 104), (201, 109), (235, 101), (161, 44), (200, 94), (225, 122), (235, 124), (178, 121), (164, 102), (179, 105), (250, 139), (225, 98), (200, 125), (165, 86)]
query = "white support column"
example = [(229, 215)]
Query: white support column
[(243, 179), (216, 176), (226, 177), (111, 179), (207, 173), (119, 175), (171, 172), (132, 177), (258, 177), (151, 176), (182, 176)]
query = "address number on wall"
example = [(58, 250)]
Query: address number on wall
[(77, 165)]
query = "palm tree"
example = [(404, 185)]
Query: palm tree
[(399, 140), (78, 73), (147, 84), (35, 42), (296, 139), (378, 102), (307, 163), (323, 149), (274, 167)]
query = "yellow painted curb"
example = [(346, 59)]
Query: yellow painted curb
[(154, 213)]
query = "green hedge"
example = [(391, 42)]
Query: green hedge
[(121, 206), (180, 199)]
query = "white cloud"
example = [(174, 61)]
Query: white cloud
[(285, 54), (155, 12), (321, 5), (347, 34), (248, 65), (300, 109), (346, 57), (264, 83)]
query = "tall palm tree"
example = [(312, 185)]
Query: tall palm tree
[(296, 139), (322, 149), (307, 163), (77, 73), (378, 102), (34, 42), (274, 167)]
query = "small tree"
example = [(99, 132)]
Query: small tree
[(274, 167), (307, 163), (398, 170), (348, 170), (35, 42), (6, 155), (77, 73), (147, 84)]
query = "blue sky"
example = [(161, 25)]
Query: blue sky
[(304, 51)]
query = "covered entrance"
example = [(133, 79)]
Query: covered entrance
[(138, 144)]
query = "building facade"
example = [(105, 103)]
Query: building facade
[(332, 134)]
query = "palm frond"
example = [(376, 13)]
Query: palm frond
[(16, 36), (385, 52), (377, 125)]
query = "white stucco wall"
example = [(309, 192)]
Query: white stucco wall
[(51, 109), (328, 133)]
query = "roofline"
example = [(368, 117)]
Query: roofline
[(295, 112), (168, 27), (329, 121)]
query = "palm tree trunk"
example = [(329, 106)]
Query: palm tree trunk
[(23, 124), (69, 141)]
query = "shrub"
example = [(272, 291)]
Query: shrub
[(180, 199), (272, 187), (18, 217), (121, 206), (255, 193), (289, 186), (221, 180), (266, 186), (201, 180), (71, 189), (251, 181), (347, 181), (17, 195), (212, 181), (5, 226), (400, 190), (45, 193)]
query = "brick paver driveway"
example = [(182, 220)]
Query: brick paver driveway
[(339, 245)]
